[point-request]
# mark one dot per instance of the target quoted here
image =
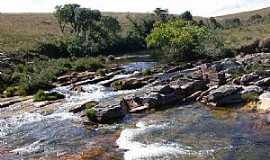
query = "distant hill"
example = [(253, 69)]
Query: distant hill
[(246, 15), (26, 29), (247, 32)]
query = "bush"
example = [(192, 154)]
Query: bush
[(15, 91), (53, 49), (91, 114), (9, 92), (42, 96), (87, 64), (181, 39)]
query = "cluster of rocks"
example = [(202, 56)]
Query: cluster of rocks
[(211, 83)]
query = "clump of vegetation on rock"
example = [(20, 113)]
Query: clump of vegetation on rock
[(91, 114), (42, 96)]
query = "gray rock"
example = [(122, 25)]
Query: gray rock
[(192, 87), (225, 95), (109, 114), (166, 89), (263, 83), (252, 90), (247, 78)]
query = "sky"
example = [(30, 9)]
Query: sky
[(205, 8)]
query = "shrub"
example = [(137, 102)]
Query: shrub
[(91, 114), (42, 96), (87, 64), (9, 92), (181, 39), (15, 91), (53, 48)]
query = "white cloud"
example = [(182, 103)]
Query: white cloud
[(197, 7)]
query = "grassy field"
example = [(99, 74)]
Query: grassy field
[(23, 31)]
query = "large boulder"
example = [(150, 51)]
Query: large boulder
[(225, 95), (264, 44), (109, 114), (192, 87)]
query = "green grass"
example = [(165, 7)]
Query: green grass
[(91, 114), (42, 96)]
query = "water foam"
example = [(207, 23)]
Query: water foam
[(137, 150), (7, 125), (32, 148)]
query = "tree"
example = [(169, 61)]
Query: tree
[(254, 19), (181, 39), (232, 23), (90, 31), (186, 16), (162, 14), (214, 23), (66, 15)]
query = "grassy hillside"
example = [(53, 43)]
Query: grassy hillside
[(25, 30), (247, 32), (22, 31), (245, 15)]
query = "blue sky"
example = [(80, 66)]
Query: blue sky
[(197, 7)]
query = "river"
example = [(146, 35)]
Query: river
[(189, 132)]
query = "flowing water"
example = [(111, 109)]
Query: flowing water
[(192, 132)]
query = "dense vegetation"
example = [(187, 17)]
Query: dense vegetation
[(29, 78)]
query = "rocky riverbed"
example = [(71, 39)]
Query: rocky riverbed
[(216, 110)]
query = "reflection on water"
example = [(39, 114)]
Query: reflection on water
[(195, 132)]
